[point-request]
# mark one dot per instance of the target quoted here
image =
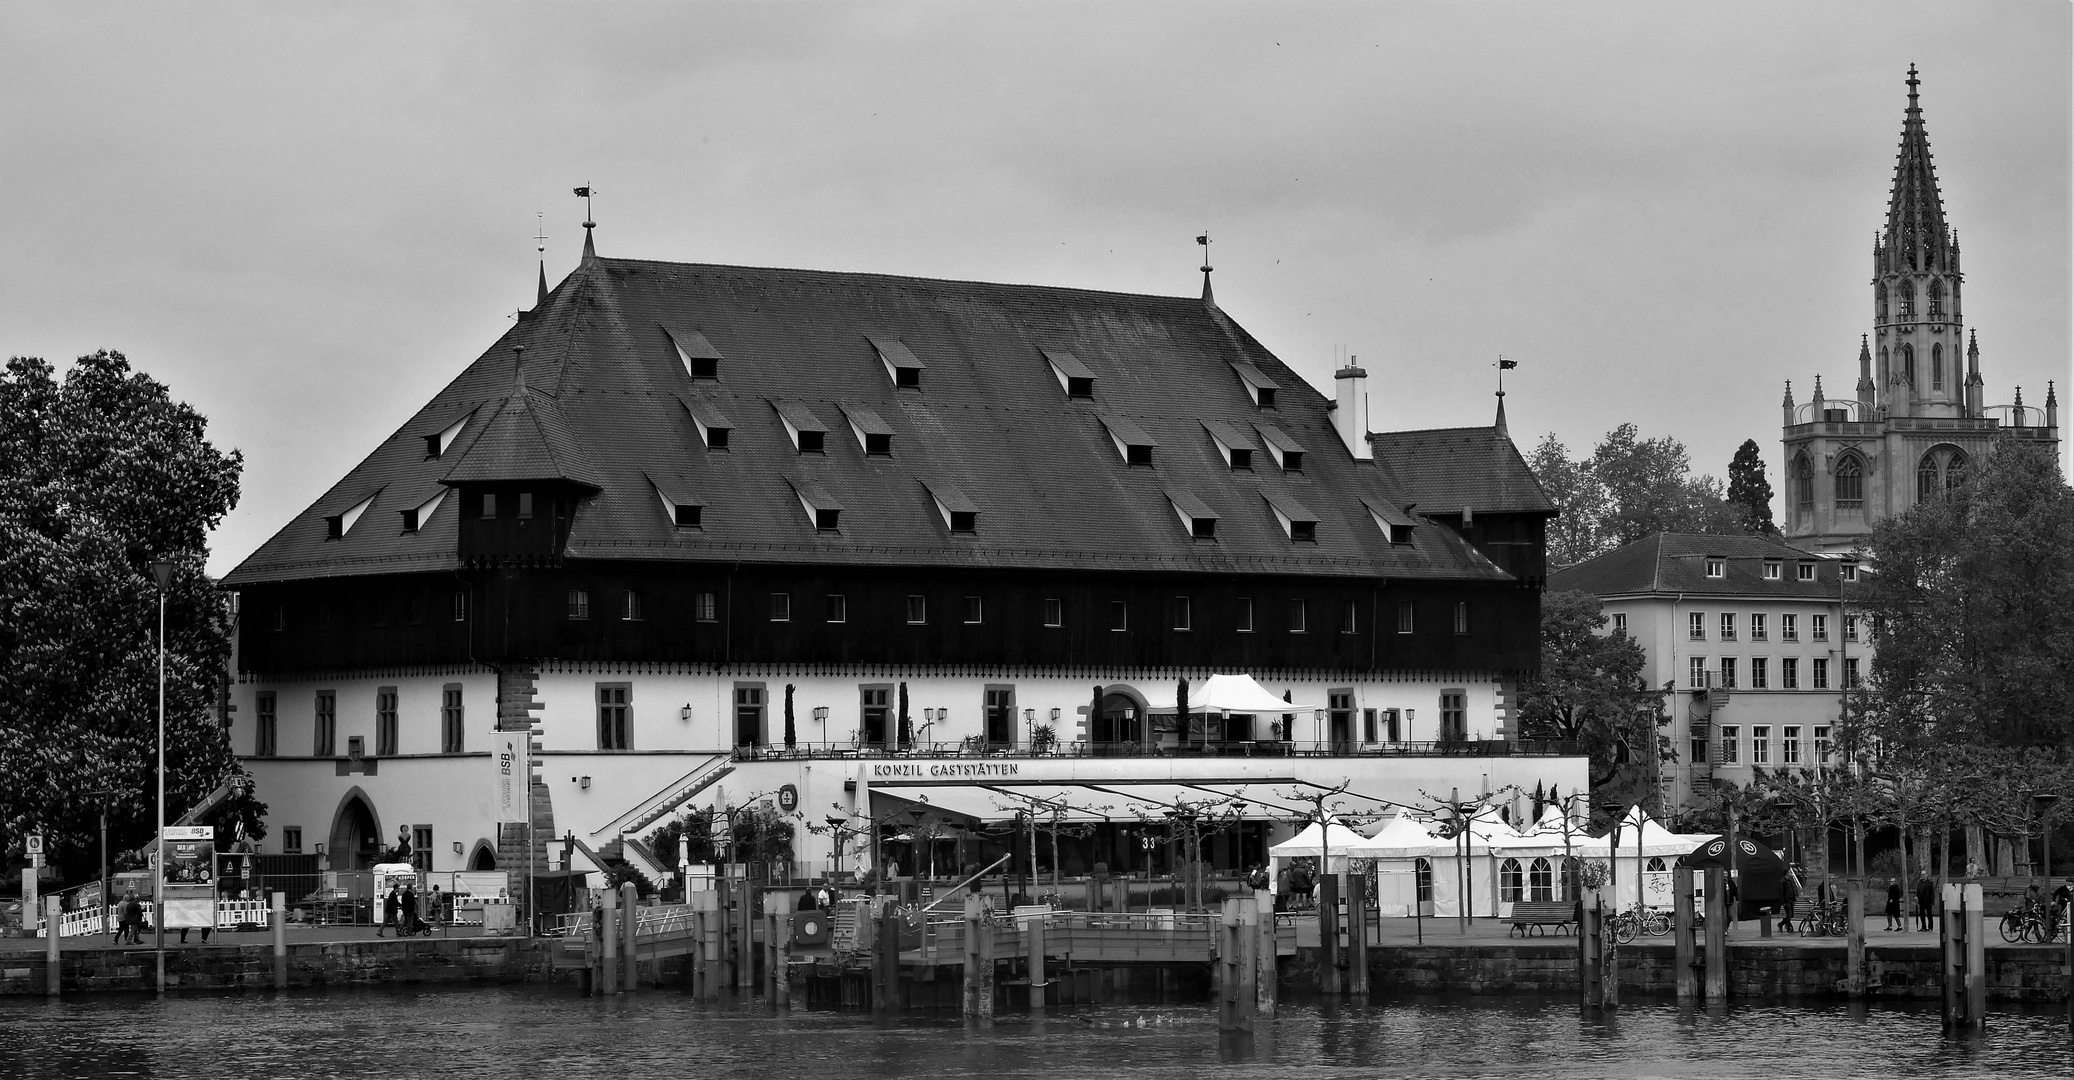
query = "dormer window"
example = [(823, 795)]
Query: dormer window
[(900, 363), (1131, 440), (1233, 443), (804, 428), (873, 433), (1771, 570), (1258, 386), (701, 359), (1197, 518), (1395, 524), (1074, 376), (1298, 523), (1717, 567), (713, 425), (681, 508), (336, 526), (1286, 451), (822, 508), (960, 514), (438, 442), (414, 518)]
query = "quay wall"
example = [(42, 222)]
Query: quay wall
[(317, 964)]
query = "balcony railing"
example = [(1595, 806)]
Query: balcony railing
[(1217, 748)]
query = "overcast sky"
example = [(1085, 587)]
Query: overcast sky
[(306, 218)]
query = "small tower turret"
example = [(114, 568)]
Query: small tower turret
[(1788, 403), (1976, 392), (2052, 407), (1867, 389)]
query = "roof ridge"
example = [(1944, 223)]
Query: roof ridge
[(865, 275)]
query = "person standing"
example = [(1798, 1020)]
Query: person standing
[(1926, 903), (407, 912), (1789, 893), (1894, 905), (390, 904), (435, 907)]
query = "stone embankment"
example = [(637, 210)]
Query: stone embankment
[(312, 964)]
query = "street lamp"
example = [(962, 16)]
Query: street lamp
[(835, 824), (162, 573)]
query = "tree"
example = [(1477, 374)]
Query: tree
[(1628, 488), (100, 475), (1749, 493), (1573, 536), (1972, 601), (1590, 690)]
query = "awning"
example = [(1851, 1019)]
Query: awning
[(1081, 803)]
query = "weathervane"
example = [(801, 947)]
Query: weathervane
[(584, 193), (1503, 366), (540, 232)]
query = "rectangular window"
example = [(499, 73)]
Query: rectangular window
[(1850, 673), (1454, 716), (1728, 673), (1298, 617), (1184, 614), (265, 724), (613, 718), (421, 847), (705, 607), (1119, 616), (489, 506), (1404, 616), (1368, 725), (1789, 673), (1848, 571), (326, 742), (630, 606), (1761, 745), (1698, 748), (687, 515), (1821, 744), (1245, 620), (1759, 628), (1789, 628), (1771, 569), (579, 604), (1696, 625), (1054, 611), (875, 714), (525, 507), (1728, 626), (749, 714), (1731, 744), (917, 610), (838, 608), (385, 722), (1789, 745), (1461, 617), (291, 840), (1350, 617), (453, 726), (975, 610), (1697, 670), (460, 606), (1000, 715), (781, 607), (1393, 730), (1760, 673), (1805, 572), (1819, 677), (1620, 622), (1818, 627), (1241, 459), (1339, 719), (1717, 568), (1850, 628)]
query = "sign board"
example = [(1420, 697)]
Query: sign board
[(34, 842), (511, 779), (788, 798), (190, 832)]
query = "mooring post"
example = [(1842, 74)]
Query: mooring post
[(1357, 933), (630, 902), (1588, 952), (691, 943), (1249, 961), (1717, 938), (608, 948), (745, 925), (979, 958), (1035, 925), (713, 932), (279, 914), (2070, 970), (885, 994), (53, 969), (777, 947), (1976, 960), (1328, 934), (1684, 976), (1854, 939), (1951, 938)]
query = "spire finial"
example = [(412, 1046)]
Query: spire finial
[(540, 244), (590, 252), (1913, 82), (1204, 240)]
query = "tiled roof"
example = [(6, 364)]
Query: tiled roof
[(1446, 469), (609, 403), (1676, 563)]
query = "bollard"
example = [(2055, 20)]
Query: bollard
[(1681, 929), (630, 925), (1854, 939), (1328, 934), (53, 967), (280, 917), (1717, 937), (1035, 927), (608, 949), (1357, 933)]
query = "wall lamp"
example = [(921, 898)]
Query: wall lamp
[(457, 847), (1054, 714), (585, 783), (821, 713), (684, 713)]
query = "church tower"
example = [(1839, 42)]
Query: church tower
[(1919, 415)]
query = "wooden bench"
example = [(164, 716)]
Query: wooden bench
[(1529, 916)]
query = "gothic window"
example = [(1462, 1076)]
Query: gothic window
[(1926, 478), (1883, 365), (1908, 365), (1908, 299), (1955, 470), (1879, 295), (1804, 484), (1850, 484), (1936, 298), (1937, 367)]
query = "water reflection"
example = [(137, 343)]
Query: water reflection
[(547, 1031)]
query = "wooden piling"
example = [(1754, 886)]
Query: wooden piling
[(608, 949), (885, 991), (1590, 931), (1035, 927), (1686, 978), (1717, 937), (53, 963), (1329, 981), (630, 926), (979, 959), (1854, 939), (1235, 992), (1357, 933), (745, 940), (1267, 958), (1976, 960), (279, 916), (1951, 938)]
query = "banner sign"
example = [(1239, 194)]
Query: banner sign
[(512, 776), (190, 832)]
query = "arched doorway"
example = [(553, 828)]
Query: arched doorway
[(484, 857), (1122, 719), (356, 833)]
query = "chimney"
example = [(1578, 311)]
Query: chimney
[(1350, 410)]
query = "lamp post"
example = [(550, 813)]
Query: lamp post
[(921, 846), (836, 825), (162, 573)]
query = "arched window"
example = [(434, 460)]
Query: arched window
[(1955, 470), (1908, 365), (1936, 367), (1926, 478), (1850, 484), (1655, 866), (1879, 298), (1936, 292), (1908, 299), (1540, 880), (1804, 483), (1422, 875), (1883, 365), (1510, 884)]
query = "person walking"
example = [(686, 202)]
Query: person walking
[(1894, 905), (1789, 894), (390, 904), (131, 924), (1926, 903), (407, 912)]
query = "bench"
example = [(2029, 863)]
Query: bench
[(1529, 916)]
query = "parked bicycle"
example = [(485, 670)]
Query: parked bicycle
[(2029, 924), (1625, 926), (1824, 920)]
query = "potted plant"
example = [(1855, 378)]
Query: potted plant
[(1043, 739)]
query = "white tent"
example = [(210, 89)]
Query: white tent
[(1639, 850), (1218, 693), (1335, 841)]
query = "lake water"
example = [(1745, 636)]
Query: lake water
[(548, 1031)]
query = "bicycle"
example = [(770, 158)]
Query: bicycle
[(1625, 926)]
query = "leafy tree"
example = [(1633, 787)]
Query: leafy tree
[(1628, 488), (1573, 536), (1749, 493), (1590, 690), (100, 474)]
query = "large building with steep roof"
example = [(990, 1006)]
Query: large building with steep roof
[(1920, 411), (714, 533)]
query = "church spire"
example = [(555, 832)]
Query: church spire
[(1866, 387), (1916, 232)]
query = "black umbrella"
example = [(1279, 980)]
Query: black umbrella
[(1760, 873)]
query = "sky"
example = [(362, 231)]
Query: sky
[(305, 219)]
